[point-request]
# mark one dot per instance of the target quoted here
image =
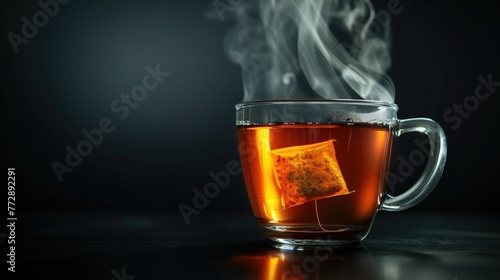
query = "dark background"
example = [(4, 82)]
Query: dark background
[(65, 78)]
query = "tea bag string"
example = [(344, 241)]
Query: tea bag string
[(317, 215), (319, 221)]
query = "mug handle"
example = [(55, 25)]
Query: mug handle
[(433, 170)]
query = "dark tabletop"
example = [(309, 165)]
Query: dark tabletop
[(118, 246)]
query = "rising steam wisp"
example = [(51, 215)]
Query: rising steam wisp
[(281, 43)]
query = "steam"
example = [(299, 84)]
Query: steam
[(283, 44)]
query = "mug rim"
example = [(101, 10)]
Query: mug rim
[(317, 101)]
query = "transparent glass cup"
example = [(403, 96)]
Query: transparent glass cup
[(316, 171)]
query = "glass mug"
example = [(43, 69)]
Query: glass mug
[(316, 170)]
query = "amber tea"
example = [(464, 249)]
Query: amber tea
[(319, 178)]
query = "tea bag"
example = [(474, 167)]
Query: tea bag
[(306, 173)]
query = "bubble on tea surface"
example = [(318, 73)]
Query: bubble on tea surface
[(308, 172)]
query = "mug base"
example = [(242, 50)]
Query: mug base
[(304, 237)]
